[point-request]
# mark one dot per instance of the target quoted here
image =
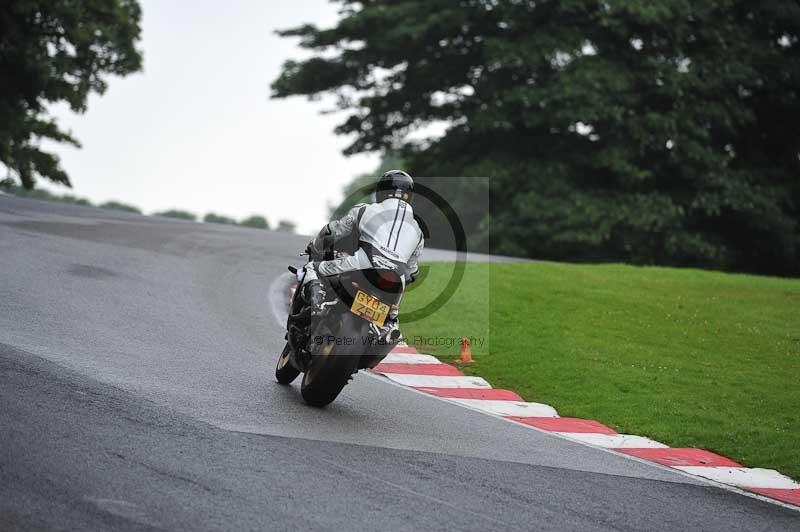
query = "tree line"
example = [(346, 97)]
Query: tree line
[(255, 221)]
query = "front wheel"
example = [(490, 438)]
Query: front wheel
[(285, 372)]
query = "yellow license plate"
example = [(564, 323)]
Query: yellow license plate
[(370, 308)]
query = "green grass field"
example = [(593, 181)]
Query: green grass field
[(687, 357)]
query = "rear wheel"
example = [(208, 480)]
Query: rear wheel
[(332, 367), (285, 373)]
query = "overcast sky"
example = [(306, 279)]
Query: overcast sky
[(196, 129)]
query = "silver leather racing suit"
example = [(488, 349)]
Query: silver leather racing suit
[(386, 231)]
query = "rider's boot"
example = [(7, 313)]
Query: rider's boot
[(314, 294), (390, 331)]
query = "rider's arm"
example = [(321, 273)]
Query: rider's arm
[(335, 231), (413, 262)]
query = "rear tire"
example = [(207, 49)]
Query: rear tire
[(285, 373), (331, 369)]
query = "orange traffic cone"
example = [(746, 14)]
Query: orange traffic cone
[(466, 351)]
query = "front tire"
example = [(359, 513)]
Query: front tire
[(285, 372)]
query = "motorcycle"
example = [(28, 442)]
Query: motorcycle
[(347, 332)]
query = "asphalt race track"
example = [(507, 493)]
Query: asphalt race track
[(137, 393)]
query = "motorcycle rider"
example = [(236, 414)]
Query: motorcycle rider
[(381, 235)]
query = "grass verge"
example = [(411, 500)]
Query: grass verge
[(688, 357)]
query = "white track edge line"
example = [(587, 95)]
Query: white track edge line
[(410, 358), (697, 479), (757, 477)]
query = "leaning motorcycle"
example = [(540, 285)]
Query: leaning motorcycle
[(347, 332)]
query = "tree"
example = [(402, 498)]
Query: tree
[(286, 226), (177, 213), (119, 206), (212, 218), (57, 51), (353, 191), (44, 195), (255, 221), (662, 132)]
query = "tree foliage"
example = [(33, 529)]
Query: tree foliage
[(177, 213), (119, 206), (44, 195), (255, 221), (649, 132), (57, 51), (212, 218), (286, 226), (356, 191)]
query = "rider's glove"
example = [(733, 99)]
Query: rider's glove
[(314, 294), (312, 251)]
